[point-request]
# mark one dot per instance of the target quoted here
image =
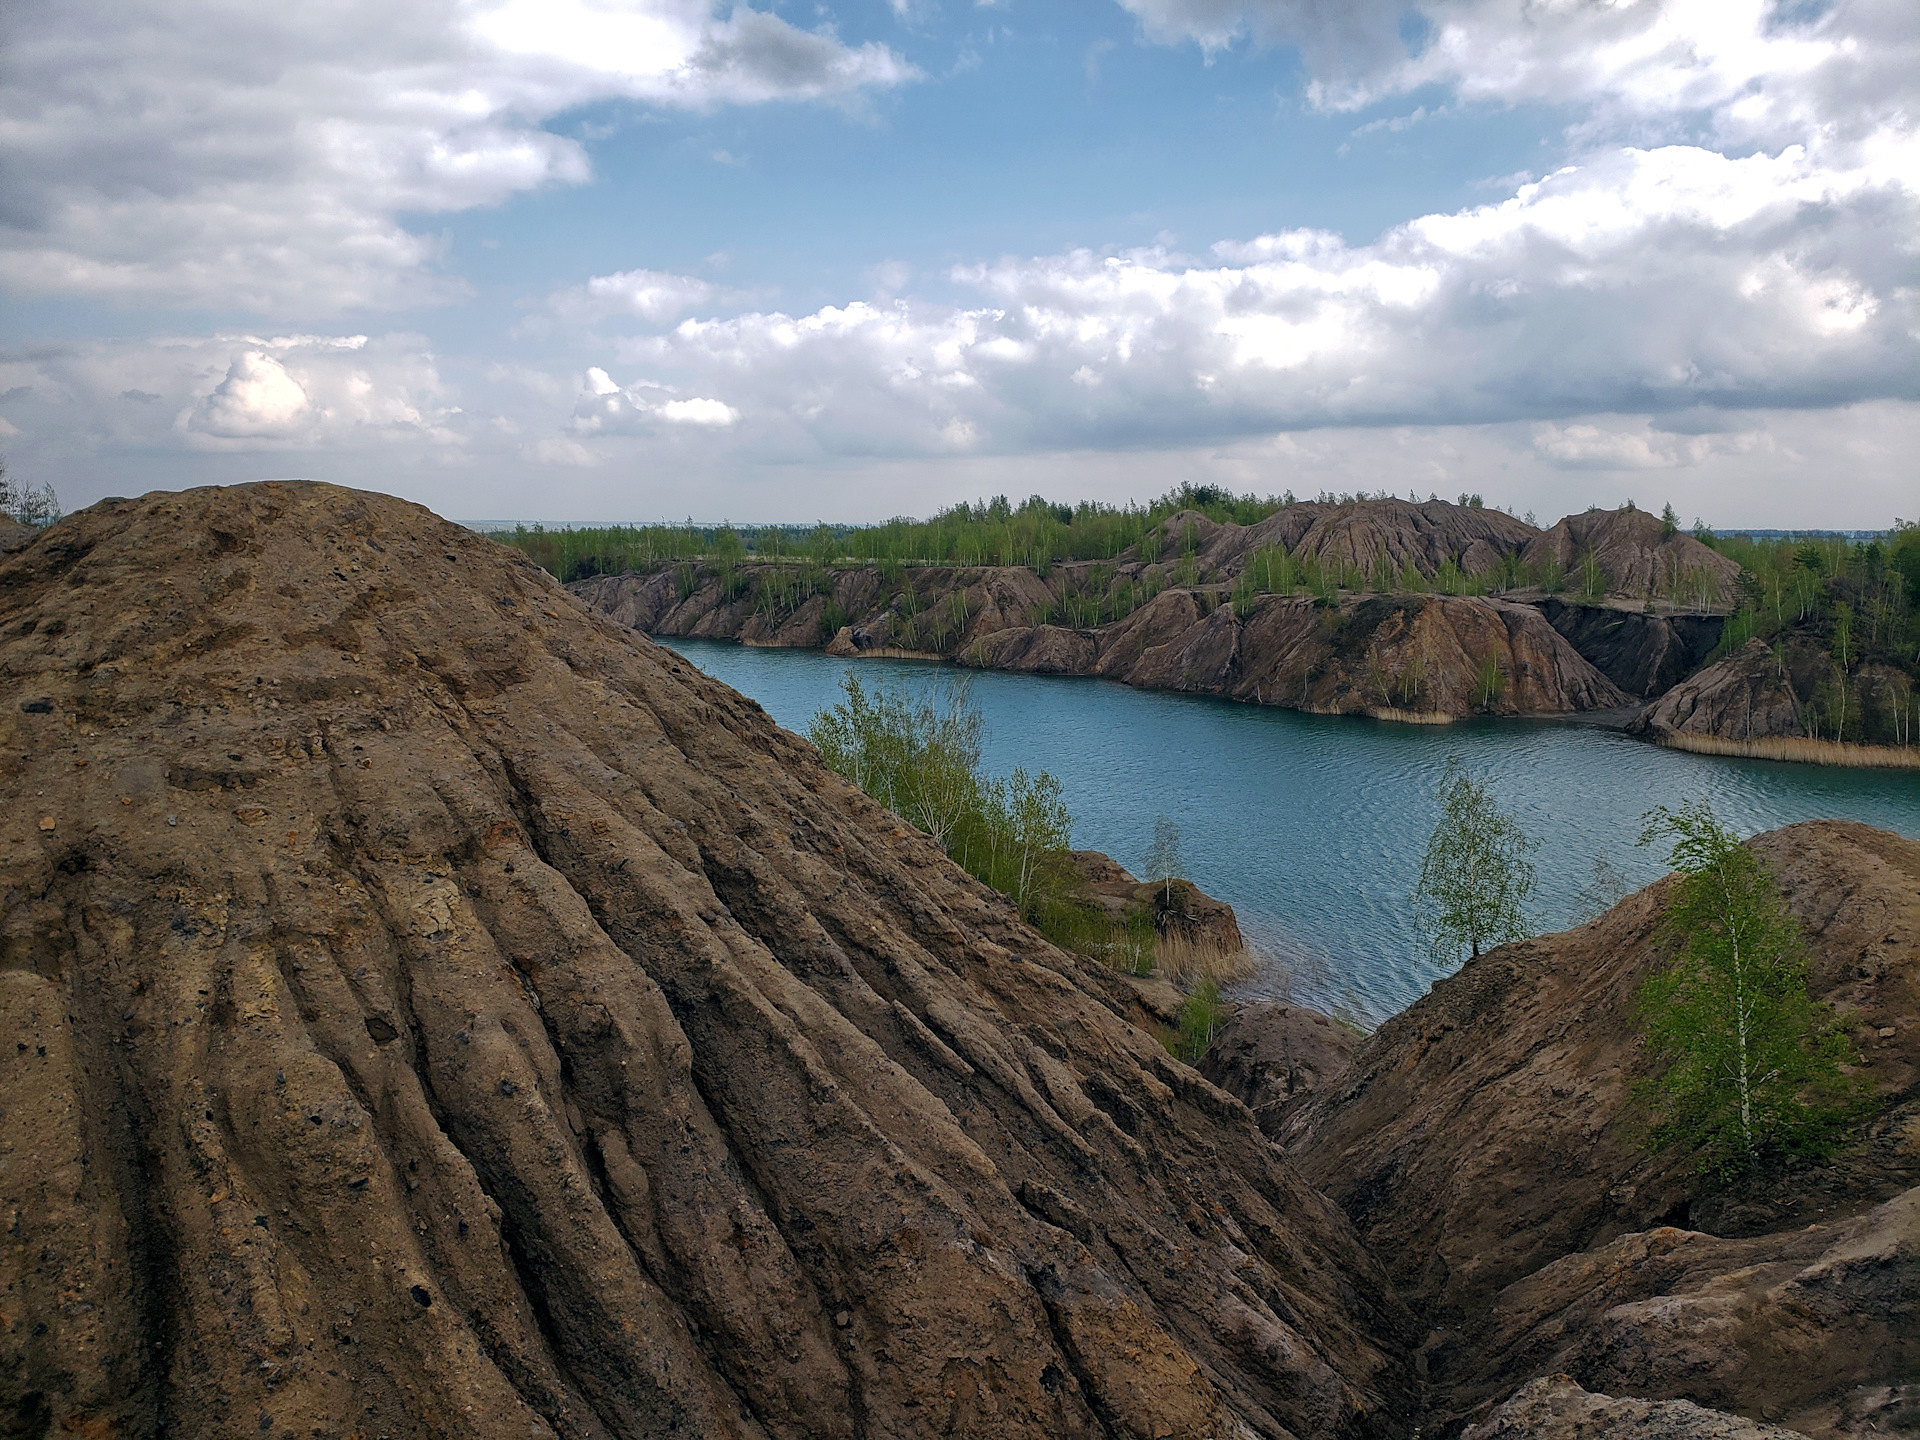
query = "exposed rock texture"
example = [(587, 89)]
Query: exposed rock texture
[(433, 1010), (1368, 535), (1802, 1326), (1746, 696), (1554, 1408), (1637, 557), (1643, 654), (1416, 655), (1181, 910), (1273, 1056), (1488, 1132)]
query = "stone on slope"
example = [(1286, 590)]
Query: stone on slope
[(435, 1010), (1807, 1326)]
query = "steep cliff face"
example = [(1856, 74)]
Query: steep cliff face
[(435, 1010), (1636, 557), (1410, 654), (1746, 696), (1645, 655), (1430, 655), (1486, 1144)]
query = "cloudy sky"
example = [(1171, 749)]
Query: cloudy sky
[(635, 259)]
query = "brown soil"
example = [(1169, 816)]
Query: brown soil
[(432, 1009)]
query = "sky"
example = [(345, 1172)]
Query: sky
[(621, 260)]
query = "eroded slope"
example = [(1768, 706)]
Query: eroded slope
[(434, 1010)]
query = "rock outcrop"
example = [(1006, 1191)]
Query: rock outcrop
[(1397, 656), (1638, 558), (1645, 655), (1747, 696), (1805, 1326), (1554, 1408), (435, 1010), (1180, 911), (1486, 1145), (1273, 1056)]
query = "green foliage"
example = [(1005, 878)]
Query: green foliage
[(1489, 682), (1037, 533), (1200, 1018), (1835, 610), (919, 755), (1475, 877), (1751, 1063)]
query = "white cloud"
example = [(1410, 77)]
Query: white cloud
[(234, 393), (698, 411), (606, 407), (653, 295), (1846, 69), (1647, 280), (194, 153)]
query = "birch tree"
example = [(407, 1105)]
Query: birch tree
[(1475, 877), (1750, 1062)]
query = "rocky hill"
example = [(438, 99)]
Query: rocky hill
[(1637, 557), (1486, 1145), (433, 1009), (1363, 535)]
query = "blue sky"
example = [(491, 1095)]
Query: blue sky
[(612, 259)]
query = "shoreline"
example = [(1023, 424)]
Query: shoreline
[(1796, 750)]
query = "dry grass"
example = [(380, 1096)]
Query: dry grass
[(1799, 748), (1184, 962), (1411, 717)]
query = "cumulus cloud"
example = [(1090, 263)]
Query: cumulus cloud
[(192, 153), (234, 393), (1762, 70), (1655, 281), (608, 408)]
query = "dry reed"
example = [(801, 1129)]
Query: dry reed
[(1185, 962), (1800, 748)]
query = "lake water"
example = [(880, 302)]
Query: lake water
[(1312, 826)]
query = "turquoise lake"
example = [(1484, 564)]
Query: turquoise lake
[(1312, 826)]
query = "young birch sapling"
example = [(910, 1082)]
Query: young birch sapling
[(1751, 1063), (1475, 877)]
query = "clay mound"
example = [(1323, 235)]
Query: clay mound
[(1746, 696), (1487, 1146), (1361, 533), (433, 1010), (1636, 558)]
